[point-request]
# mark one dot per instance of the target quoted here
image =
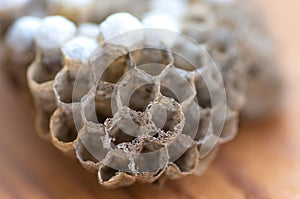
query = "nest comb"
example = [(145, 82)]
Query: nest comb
[(112, 130)]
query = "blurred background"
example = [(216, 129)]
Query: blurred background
[(262, 162)]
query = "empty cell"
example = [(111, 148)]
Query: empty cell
[(70, 86), (62, 126)]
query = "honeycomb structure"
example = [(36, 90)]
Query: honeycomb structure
[(137, 123), (144, 106)]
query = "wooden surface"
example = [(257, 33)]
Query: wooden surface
[(262, 162)]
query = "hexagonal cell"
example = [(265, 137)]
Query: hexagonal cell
[(151, 60), (107, 173), (117, 161), (110, 177), (167, 92), (90, 147), (42, 73), (153, 156), (141, 97), (103, 100), (188, 55), (182, 62), (119, 136), (189, 160), (70, 86), (125, 126), (178, 146), (136, 90), (167, 115), (177, 84), (83, 154), (116, 70), (95, 106), (110, 62), (62, 127)]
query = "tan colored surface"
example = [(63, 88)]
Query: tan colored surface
[(262, 162)]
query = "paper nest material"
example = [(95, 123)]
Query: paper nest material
[(134, 123)]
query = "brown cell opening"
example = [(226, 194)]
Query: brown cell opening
[(149, 147), (115, 71), (84, 154), (120, 136), (187, 161), (150, 55), (106, 173), (97, 109), (182, 63), (164, 119), (168, 93), (44, 72), (151, 60), (68, 90), (171, 122), (63, 128), (141, 97)]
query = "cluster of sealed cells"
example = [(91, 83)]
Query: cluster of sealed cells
[(147, 105)]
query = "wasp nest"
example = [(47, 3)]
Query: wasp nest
[(131, 98), (134, 123)]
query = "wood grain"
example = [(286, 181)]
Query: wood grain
[(262, 162)]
